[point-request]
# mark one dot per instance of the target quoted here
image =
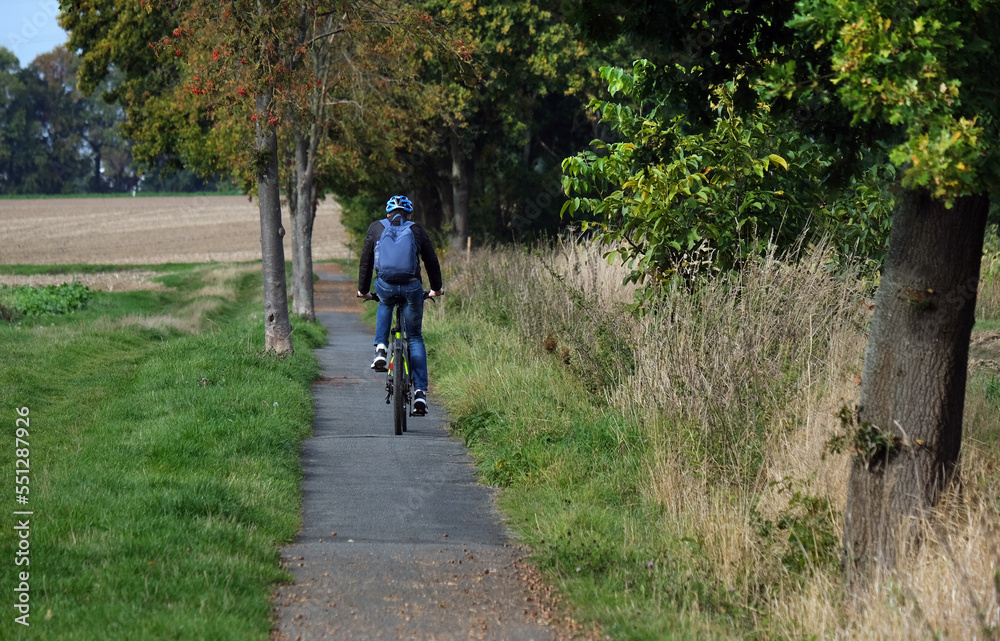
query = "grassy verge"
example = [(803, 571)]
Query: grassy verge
[(575, 485), (164, 461), (670, 473)]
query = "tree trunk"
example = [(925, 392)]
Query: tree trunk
[(302, 226), (277, 328), (446, 195), (302, 184), (909, 419), (461, 185), (96, 184), (291, 193)]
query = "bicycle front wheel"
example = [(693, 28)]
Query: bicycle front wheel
[(399, 393)]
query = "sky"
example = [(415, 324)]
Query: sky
[(29, 27)]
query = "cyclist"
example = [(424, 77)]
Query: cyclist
[(409, 286)]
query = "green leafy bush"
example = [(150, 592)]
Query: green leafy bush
[(48, 299), (673, 196), (857, 224), (668, 190), (358, 213)]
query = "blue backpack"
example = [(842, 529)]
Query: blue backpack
[(396, 253)]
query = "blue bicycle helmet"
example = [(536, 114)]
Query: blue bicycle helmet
[(399, 202)]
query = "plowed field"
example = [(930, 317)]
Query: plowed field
[(119, 231)]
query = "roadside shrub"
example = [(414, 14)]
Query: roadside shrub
[(728, 357), (48, 299), (709, 470)]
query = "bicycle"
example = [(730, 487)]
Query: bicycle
[(399, 388)]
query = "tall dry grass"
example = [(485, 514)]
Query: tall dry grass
[(737, 387), (739, 357), (988, 303)]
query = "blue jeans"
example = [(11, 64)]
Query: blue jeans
[(413, 317)]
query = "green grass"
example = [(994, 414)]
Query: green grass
[(986, 325), (575, 478), (164, 464)]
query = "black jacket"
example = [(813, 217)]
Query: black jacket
[(424, 248)]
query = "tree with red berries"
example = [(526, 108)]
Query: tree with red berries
[(207, 91), (219, 81)]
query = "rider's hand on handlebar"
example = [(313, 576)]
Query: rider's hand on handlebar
[(433, 293)]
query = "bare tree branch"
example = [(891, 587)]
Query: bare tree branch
[(336, 31), (334, 103)]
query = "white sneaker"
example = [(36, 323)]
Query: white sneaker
[(380, 364), (419, 403)]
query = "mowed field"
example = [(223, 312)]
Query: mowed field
[(151, 230)]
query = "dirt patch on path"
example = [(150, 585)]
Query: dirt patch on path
[(138, 231)]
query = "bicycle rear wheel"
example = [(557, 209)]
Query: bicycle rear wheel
[(399, 391)]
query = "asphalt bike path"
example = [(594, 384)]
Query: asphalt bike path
[(398, 539)]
